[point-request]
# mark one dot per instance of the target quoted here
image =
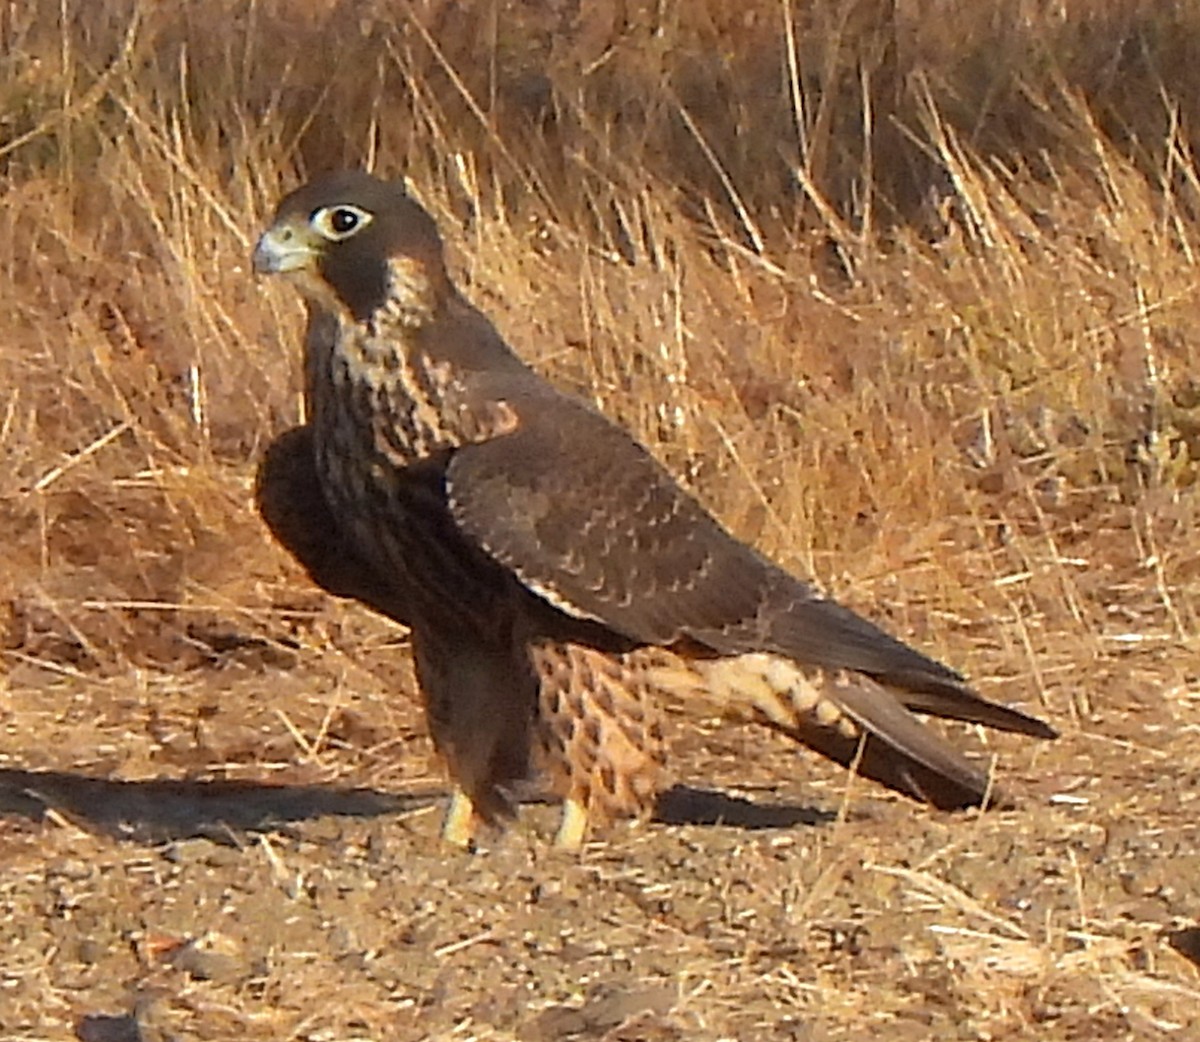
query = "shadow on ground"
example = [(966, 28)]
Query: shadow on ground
[(684, 805), (157, 811)]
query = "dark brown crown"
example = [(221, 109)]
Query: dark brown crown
[(356, 267)]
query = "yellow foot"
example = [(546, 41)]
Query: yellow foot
[(459, 826), (573, 827)]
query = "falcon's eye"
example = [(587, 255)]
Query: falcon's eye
[(339, 222)]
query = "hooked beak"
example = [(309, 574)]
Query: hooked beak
[(281, 249)]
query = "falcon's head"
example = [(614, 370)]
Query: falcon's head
[(355, 244)]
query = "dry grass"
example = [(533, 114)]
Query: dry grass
[(904, 289)]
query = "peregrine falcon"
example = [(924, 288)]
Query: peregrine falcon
[(561, 589)]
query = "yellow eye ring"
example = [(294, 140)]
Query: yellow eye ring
[(339, 222)]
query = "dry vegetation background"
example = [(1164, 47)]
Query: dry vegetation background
[(904, 289)]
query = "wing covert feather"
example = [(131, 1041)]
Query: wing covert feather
[(584, 515), (588, 519)]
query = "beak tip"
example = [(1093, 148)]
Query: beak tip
[(263, 260), (276, 254)]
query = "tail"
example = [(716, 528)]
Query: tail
[(850, 718)]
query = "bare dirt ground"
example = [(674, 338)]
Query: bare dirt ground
[(906, 292), (181, 867)]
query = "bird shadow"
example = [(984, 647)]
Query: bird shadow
[(685, 805), (154, 811), (1187, 943)]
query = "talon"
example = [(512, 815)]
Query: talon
[(573, 827)]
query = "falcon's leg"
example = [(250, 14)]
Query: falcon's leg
[(459, 827), (573, 826), (479, 700), (599, 736)]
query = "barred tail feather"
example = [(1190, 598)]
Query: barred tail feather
[(845, 716)]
